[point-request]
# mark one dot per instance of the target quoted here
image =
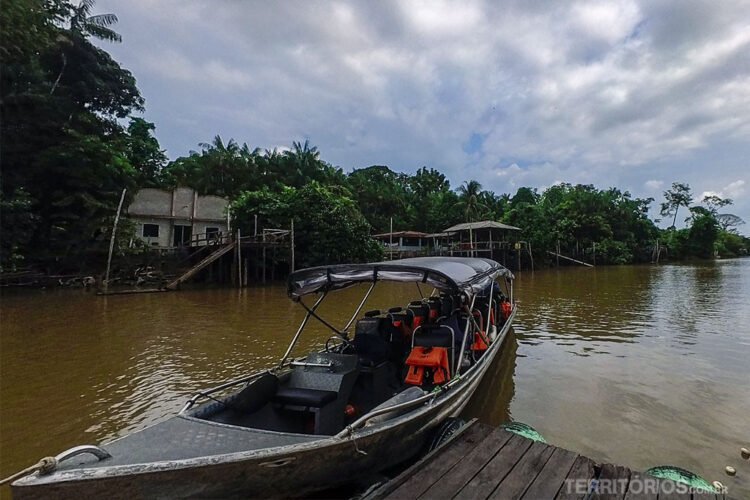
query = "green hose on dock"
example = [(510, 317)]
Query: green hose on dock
[(679, 475), (523, 430)]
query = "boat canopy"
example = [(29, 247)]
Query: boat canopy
[(455, 274)]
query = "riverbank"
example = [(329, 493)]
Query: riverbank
[(655, 352)]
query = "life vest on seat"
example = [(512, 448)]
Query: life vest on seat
[(507, 308), (434, 360), (402, 327), (480, 339), (480, 342)]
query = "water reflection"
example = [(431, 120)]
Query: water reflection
[(644, 365), (491, 402)]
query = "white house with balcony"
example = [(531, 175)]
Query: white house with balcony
[(181, 217)]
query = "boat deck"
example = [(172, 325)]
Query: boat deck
[(482, 462)]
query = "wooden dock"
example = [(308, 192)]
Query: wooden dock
[(484, 462)]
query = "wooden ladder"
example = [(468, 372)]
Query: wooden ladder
[(200, 265)]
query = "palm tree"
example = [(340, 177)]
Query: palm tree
[(83, 25), (304, 160), (469, 195), (97, 26)]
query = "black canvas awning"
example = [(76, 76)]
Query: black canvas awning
[(457, 274)]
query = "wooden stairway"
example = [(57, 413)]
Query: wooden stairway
[(208, 259)]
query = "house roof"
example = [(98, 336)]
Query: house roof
[(397, 234), (485, 224)]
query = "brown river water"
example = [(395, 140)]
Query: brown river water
[(639, 365)]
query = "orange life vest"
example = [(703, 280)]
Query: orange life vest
[(480, 342), (434, 359), (507, 309)]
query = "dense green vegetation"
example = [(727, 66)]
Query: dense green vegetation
[(72, 140), (65, 154)]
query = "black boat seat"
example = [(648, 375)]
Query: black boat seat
[(310, 398), (370, 341), (321, 390)]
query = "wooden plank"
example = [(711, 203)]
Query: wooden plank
[(550, 480), (418, 478), (496, 469), (706, 496), (612, 482), (514, 484), (668, 491), (465, 470), (644, 489), (582, 470), (559, 255)]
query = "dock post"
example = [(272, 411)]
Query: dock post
[(292, 246), (239, 258), (264, 257), (594, 256), (518, 255), (390, 244)]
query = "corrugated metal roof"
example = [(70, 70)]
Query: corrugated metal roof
[(396, 234), (485, 224)]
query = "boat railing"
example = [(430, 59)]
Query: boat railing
[(206, 392), (360, 422)]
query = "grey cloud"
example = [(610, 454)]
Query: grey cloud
[(615, 92)]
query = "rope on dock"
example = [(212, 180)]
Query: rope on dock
[(47, 465)]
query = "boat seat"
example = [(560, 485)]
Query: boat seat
[(435, 305), (431, 360), (402, 320), (311, 398), (420, 313), (370, 341), (323, 391), (434, 336)]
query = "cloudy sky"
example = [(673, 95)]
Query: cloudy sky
[(634, 94)]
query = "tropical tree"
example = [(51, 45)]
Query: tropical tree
[(470, 200), (143, 152), (729, 222), (64, 147), (82, 25), (328, 226), (679, 196), (382, 195)]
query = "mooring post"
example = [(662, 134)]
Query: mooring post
[(112, 239), (390, 247), (239, 258), (264, 256), (292, 245), (518, 255), (594, 256)]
